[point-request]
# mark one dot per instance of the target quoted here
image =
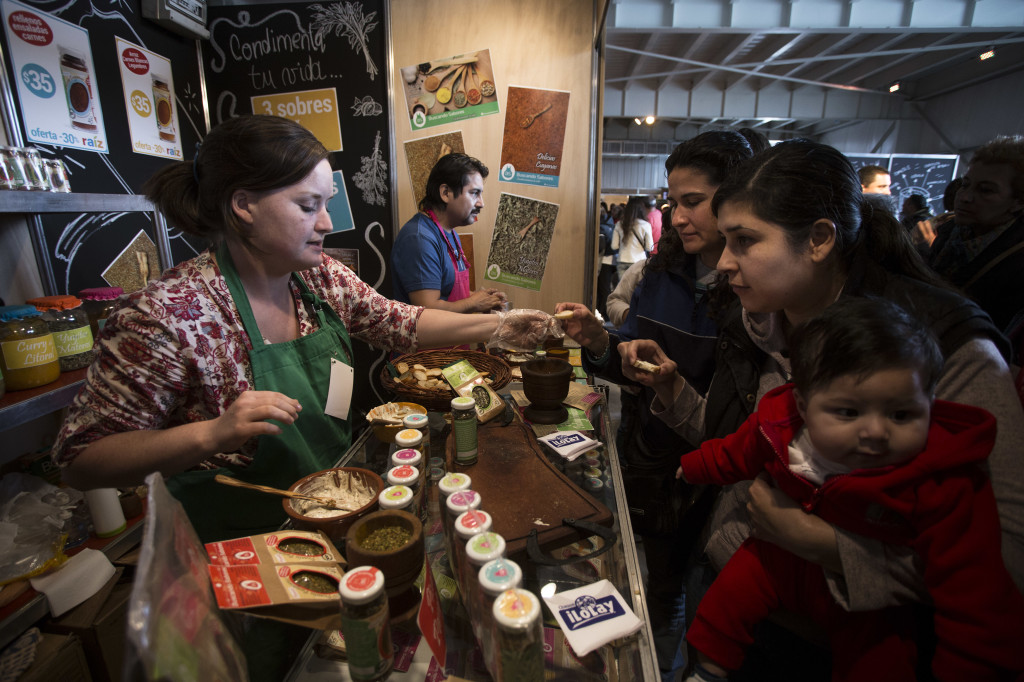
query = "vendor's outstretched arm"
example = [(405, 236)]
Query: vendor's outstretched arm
[(126, 458)]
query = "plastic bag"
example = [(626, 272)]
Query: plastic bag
[(175, 630), (522, 329), (32, 532)]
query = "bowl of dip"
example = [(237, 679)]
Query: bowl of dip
[(386, 419), (353, 488)]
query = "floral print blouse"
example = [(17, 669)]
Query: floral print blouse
[(176, 352)]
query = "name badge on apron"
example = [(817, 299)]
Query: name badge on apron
[(339, 394)]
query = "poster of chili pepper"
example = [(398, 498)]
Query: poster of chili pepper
[(450, 89), (521, 241), (531, 148)]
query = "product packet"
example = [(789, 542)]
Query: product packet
[(569, 444), (467, 381), (279, 547), (592, 615), (303, 594)]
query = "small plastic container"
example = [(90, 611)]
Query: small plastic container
[(28, 355), (467, 524), (365, 623), (462, 501), (398, 497), (408, 456), (406, 475), (408, 438), (99, 302), (69, 324), (453, 482)]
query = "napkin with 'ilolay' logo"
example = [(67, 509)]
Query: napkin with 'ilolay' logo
[(592, 615)]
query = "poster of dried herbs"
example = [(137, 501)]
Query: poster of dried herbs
[(450, 89), (521, 241), (423, 153), (531, 147)]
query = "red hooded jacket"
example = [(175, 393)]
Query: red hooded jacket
[(940, 503)]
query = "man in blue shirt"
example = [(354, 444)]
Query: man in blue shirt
[(427, 262)]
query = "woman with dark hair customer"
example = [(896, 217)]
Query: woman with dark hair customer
[(632, 237), (671, 305), (223, 364), (798, 236)]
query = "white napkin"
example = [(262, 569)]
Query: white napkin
[(592, 615), (569, 444), (79, 578)]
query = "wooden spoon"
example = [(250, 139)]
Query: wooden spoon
[(459, 98), (528, 121), (430, 67), (327, 502), (473, 96), (432, 82)]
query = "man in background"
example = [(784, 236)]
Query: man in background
[(875, 180)]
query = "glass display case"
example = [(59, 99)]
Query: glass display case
[(628, 658)]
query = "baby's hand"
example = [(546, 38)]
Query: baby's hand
[(679, 472)]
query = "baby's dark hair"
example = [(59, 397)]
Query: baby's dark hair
[(861, 336)]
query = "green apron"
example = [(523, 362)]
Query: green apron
[(300, 369)]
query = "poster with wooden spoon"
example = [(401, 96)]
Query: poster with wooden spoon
[(534, 134), (449, 89)]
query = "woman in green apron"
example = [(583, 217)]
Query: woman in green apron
[(224, 365)]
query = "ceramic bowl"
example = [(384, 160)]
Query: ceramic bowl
[(400, 567), (334, 526), (386, 433)]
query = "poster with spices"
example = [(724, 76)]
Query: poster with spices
[(53, 67), (424, 152), (149, 100), (521, 241), (531, 148), (449, 89)]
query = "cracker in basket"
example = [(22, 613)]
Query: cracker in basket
[(402, 367)]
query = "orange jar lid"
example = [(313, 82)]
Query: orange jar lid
[(64, 302)]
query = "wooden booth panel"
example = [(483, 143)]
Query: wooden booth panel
[(532, 44)]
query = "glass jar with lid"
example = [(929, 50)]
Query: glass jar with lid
[(28, 355), (365, 624), (519, 636), (98, 303), (69, 324)]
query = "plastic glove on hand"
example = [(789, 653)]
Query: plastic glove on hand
[(522, 329)]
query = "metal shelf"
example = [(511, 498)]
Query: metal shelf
[(12, 201), (20, 407)]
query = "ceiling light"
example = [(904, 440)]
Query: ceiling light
[(894, 87), (649, 120), (988, 55), (637, 121)]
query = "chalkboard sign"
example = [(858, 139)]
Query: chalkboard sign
[(82, 247), (924, 174), (323, 65)]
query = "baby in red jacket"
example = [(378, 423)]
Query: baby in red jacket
[(859, 440)]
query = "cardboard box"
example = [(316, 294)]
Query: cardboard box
[(279, 592), (267, 549), (99, 623), (58, 657)]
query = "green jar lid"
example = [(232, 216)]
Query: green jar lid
[(17, 312)]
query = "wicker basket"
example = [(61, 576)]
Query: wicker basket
[(441, 401)]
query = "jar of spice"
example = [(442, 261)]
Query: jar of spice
[(421, 423), (365, 624), (28, 354), (467, 524), (408, 456), (464, 427), (404, 475), (495, 577), (452, 482), (408, 438), (98, 303), (69, 325), (480, 549), (519, 637)]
